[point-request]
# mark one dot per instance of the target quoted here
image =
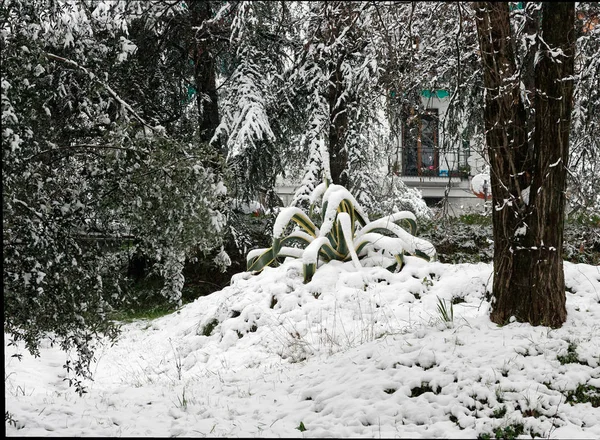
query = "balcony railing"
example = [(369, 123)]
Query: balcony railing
[(436, 173)]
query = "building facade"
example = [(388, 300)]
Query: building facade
[(422, 159)]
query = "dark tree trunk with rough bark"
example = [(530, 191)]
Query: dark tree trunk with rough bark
[(528, 184), (338, 128), (338, 16), (204, 70)]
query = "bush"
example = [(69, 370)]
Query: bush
[(469, 239), (464, 239)]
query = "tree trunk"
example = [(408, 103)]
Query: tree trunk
[(553, 106), (204, 70), (530, 29), (338, 128), (337, 16), (527, 184)]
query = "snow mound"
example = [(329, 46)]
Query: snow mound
[(355, 352)]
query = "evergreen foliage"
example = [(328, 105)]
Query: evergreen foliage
[(584, 164), (249, 123), (90, 179)]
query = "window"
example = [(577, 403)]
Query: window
[(420, 145)]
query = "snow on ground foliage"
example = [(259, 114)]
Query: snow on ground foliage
[(355, 352)]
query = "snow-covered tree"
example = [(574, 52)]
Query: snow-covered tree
[(336, 83), (584, 164), (90, 177), (249, 127)]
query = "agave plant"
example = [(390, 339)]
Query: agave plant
[(345, 234)]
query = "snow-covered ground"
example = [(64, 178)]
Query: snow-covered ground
[(354, 353)]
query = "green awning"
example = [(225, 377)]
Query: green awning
[(437, 93)]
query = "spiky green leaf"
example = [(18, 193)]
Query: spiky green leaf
[(422, 255), (260, 262)]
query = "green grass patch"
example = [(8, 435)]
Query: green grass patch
[(143, 300), (584, 394), (499, 412), (509, 432), (571, 356), (145, 303), (209, 327)]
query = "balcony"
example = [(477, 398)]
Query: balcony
[(435, 183), (434, 175)]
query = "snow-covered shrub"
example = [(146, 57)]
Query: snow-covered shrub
[(582, 239), (464, 239), (345, 234)]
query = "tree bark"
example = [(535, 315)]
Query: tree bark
[(338, 128), (527, 184), (336, 17)]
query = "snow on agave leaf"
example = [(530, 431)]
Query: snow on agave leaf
[(346, 234)]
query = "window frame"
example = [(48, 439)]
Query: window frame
[(431, 114)]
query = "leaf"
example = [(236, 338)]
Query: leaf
[(260, 262), (297, 216), (422, 255), (309, 271), (296, 237), (328, 253), (301, 427), (305, 223), (276, 246), (324, 210), (360, 246), (344, 220), (334, 235), (398, 264), (320, 247), (290, 252), (412, 225)]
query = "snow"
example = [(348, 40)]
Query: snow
[(334, 195), (521, 230), (317, 192), (406, 240), (556, 163), (311, 253), (248, 207), (127, 48), (357, 352), (346, 225), (525, 195)]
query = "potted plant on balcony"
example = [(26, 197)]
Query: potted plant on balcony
[(430, 171)]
